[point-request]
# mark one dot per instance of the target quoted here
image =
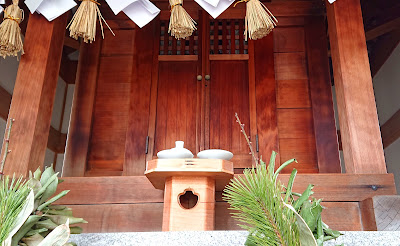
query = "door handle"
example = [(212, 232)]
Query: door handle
[(207, 77), (199, 77)]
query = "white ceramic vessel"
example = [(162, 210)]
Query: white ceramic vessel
[(215, 154), (179, 152)]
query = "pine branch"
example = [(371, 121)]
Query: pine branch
[(258, 204)]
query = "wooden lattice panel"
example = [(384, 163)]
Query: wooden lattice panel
[(171, 46), (227, 37)]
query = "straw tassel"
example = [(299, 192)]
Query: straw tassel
[(181, 25), (10, 32), (83, 23), (259, 21)]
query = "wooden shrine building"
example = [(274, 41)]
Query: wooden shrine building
[(140, 91)]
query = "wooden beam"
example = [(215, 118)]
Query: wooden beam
[(368, 215), (56, 140), (68, 70), (72, 43), (5, 102), (391, 130), (82, 110), (138, 189), (383, 29), (34, 92), (321, 96), (362, 144), (107, 218), (381, 49)]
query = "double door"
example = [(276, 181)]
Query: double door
[(201, 83)]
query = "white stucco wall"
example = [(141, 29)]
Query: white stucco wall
[(387, 95)]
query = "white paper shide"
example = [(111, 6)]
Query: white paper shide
[(215, 7), (51, 9), (139, 11)]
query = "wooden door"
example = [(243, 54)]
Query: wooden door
[(230, 90), (176, 105), (229, 94), (175, 95)]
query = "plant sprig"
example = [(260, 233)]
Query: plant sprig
[(13, 195)]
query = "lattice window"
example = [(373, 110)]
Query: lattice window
[(171, 46), (227, 37)]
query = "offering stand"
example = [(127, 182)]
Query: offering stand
[(189, 190)]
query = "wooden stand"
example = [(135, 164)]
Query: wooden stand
[(189, 190)]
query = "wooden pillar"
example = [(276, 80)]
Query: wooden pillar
[(267, 125), (143, 75), (34, 92), (321, 96), (361, 138), (82, 110)]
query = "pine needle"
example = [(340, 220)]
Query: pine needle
[(12, 199), (257, 200)]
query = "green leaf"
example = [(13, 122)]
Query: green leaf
[(311, 213), (55, 198), (47, 174), (34, 185), (304, 197), (76, 230), (281, 167), (65, 212), (46, 224), (71, 244), (306, 236), (58, 237), (44, 187), (37, 174), (332, 233), (29, 223), (58, 207), (51, 189), (36, 231), (33, 240), (60, 219), (290, 185), (271, 165)]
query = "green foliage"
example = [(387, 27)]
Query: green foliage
[(311, 211), (270, 217), (13, 194), (257, 200), (271, 212), (46, 218)]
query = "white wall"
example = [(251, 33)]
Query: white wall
[(387, 95)]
